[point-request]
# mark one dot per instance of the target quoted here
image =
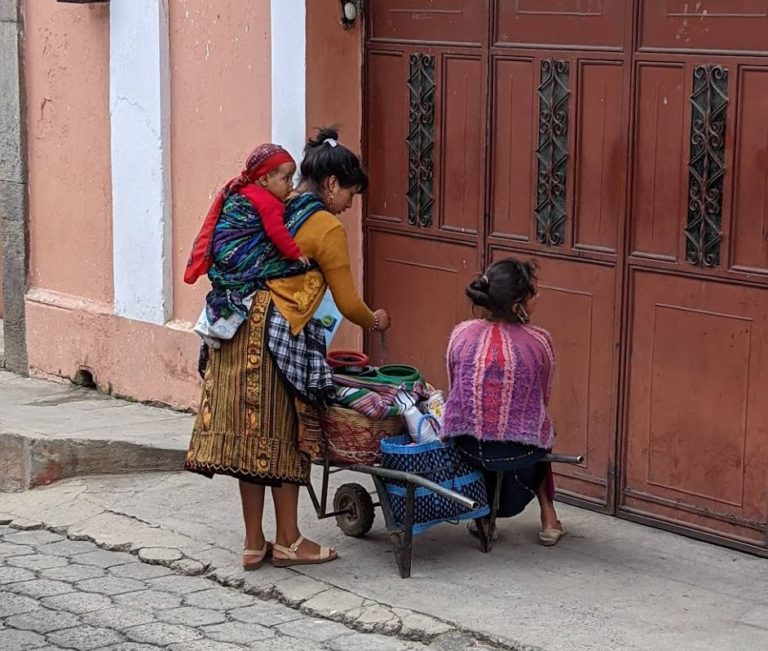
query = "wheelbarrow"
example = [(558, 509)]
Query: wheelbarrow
[(354, 508)]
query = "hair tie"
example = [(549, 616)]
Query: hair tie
[(332, 142), (485, 280)]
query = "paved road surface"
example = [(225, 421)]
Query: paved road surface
[(62, 594)]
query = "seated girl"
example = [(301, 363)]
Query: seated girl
[(500, 370)]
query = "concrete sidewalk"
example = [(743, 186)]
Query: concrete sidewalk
[(609, 584), (51, 431)]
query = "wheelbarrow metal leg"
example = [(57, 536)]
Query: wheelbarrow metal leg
[(324, 488), (486, 526), (386, 506), (407, 551), (313, 497), (400, 537)]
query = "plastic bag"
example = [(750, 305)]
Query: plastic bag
[(422, 427), (434, 405), (330, 317)]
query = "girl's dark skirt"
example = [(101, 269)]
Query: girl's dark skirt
[(522, 467)]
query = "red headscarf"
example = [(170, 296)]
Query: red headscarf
[(262, 160)]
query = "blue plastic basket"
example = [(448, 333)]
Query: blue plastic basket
[(440, 463)]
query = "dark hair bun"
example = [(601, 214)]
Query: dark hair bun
[(322, 135), (323, 159), (506, 283), (478, 292)]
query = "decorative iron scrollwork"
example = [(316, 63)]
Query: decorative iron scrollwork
[(421, 139), (552, 152), (706, 169)]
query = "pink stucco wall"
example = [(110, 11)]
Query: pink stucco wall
[(70, 216), (334, 96), (220, 108)]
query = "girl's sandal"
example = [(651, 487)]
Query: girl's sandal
[(259, 554), (289, 557), (550, 537)]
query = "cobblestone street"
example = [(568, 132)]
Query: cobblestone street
[(57, 593)]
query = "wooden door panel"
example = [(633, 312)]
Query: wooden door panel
[(601, 156), (725, 25), (592, 23), (387, 158), (461, 145), (433, 21), (421, 282), (660, 182), (697, 432), (749, 228), (577, 307), (514, 123)]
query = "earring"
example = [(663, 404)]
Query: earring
[(330, 199), (521, 313)]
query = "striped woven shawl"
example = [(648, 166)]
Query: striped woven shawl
[(244, 258)]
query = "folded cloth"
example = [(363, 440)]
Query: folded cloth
[(377, 400)]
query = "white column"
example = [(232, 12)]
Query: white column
[(141, 190), (289, 71)]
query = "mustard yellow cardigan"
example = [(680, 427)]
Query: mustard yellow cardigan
[(322, 239)]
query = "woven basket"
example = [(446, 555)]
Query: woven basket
[(438, 462), (352, 437)]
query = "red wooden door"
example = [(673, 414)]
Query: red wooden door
[(696, 418), (560, 100), (426, 117), (552, 77), (512, 127)]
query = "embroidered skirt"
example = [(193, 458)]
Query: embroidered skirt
[(249, 423)]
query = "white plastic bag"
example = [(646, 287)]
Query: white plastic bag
[(422, 427), (428, 429)]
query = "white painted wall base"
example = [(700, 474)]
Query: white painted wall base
[(141, 189)]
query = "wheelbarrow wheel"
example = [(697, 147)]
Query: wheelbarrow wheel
[(359, 512)]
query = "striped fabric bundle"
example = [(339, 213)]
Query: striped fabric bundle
[(377, 400)]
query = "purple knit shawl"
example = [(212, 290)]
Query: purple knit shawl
[(501, 381)]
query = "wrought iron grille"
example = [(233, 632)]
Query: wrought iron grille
[(421, 139), (706, 169), (552, 152)]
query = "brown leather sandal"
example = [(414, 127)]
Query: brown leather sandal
[(292, 558), (260, 554)]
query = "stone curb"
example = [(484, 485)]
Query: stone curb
[(33, 461), (298, 591)]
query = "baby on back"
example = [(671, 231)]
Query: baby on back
[(232, 249)]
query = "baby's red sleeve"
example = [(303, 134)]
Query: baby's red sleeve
[(273, 220)]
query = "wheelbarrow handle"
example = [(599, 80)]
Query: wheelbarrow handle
[(376, 471), (553, 457)]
